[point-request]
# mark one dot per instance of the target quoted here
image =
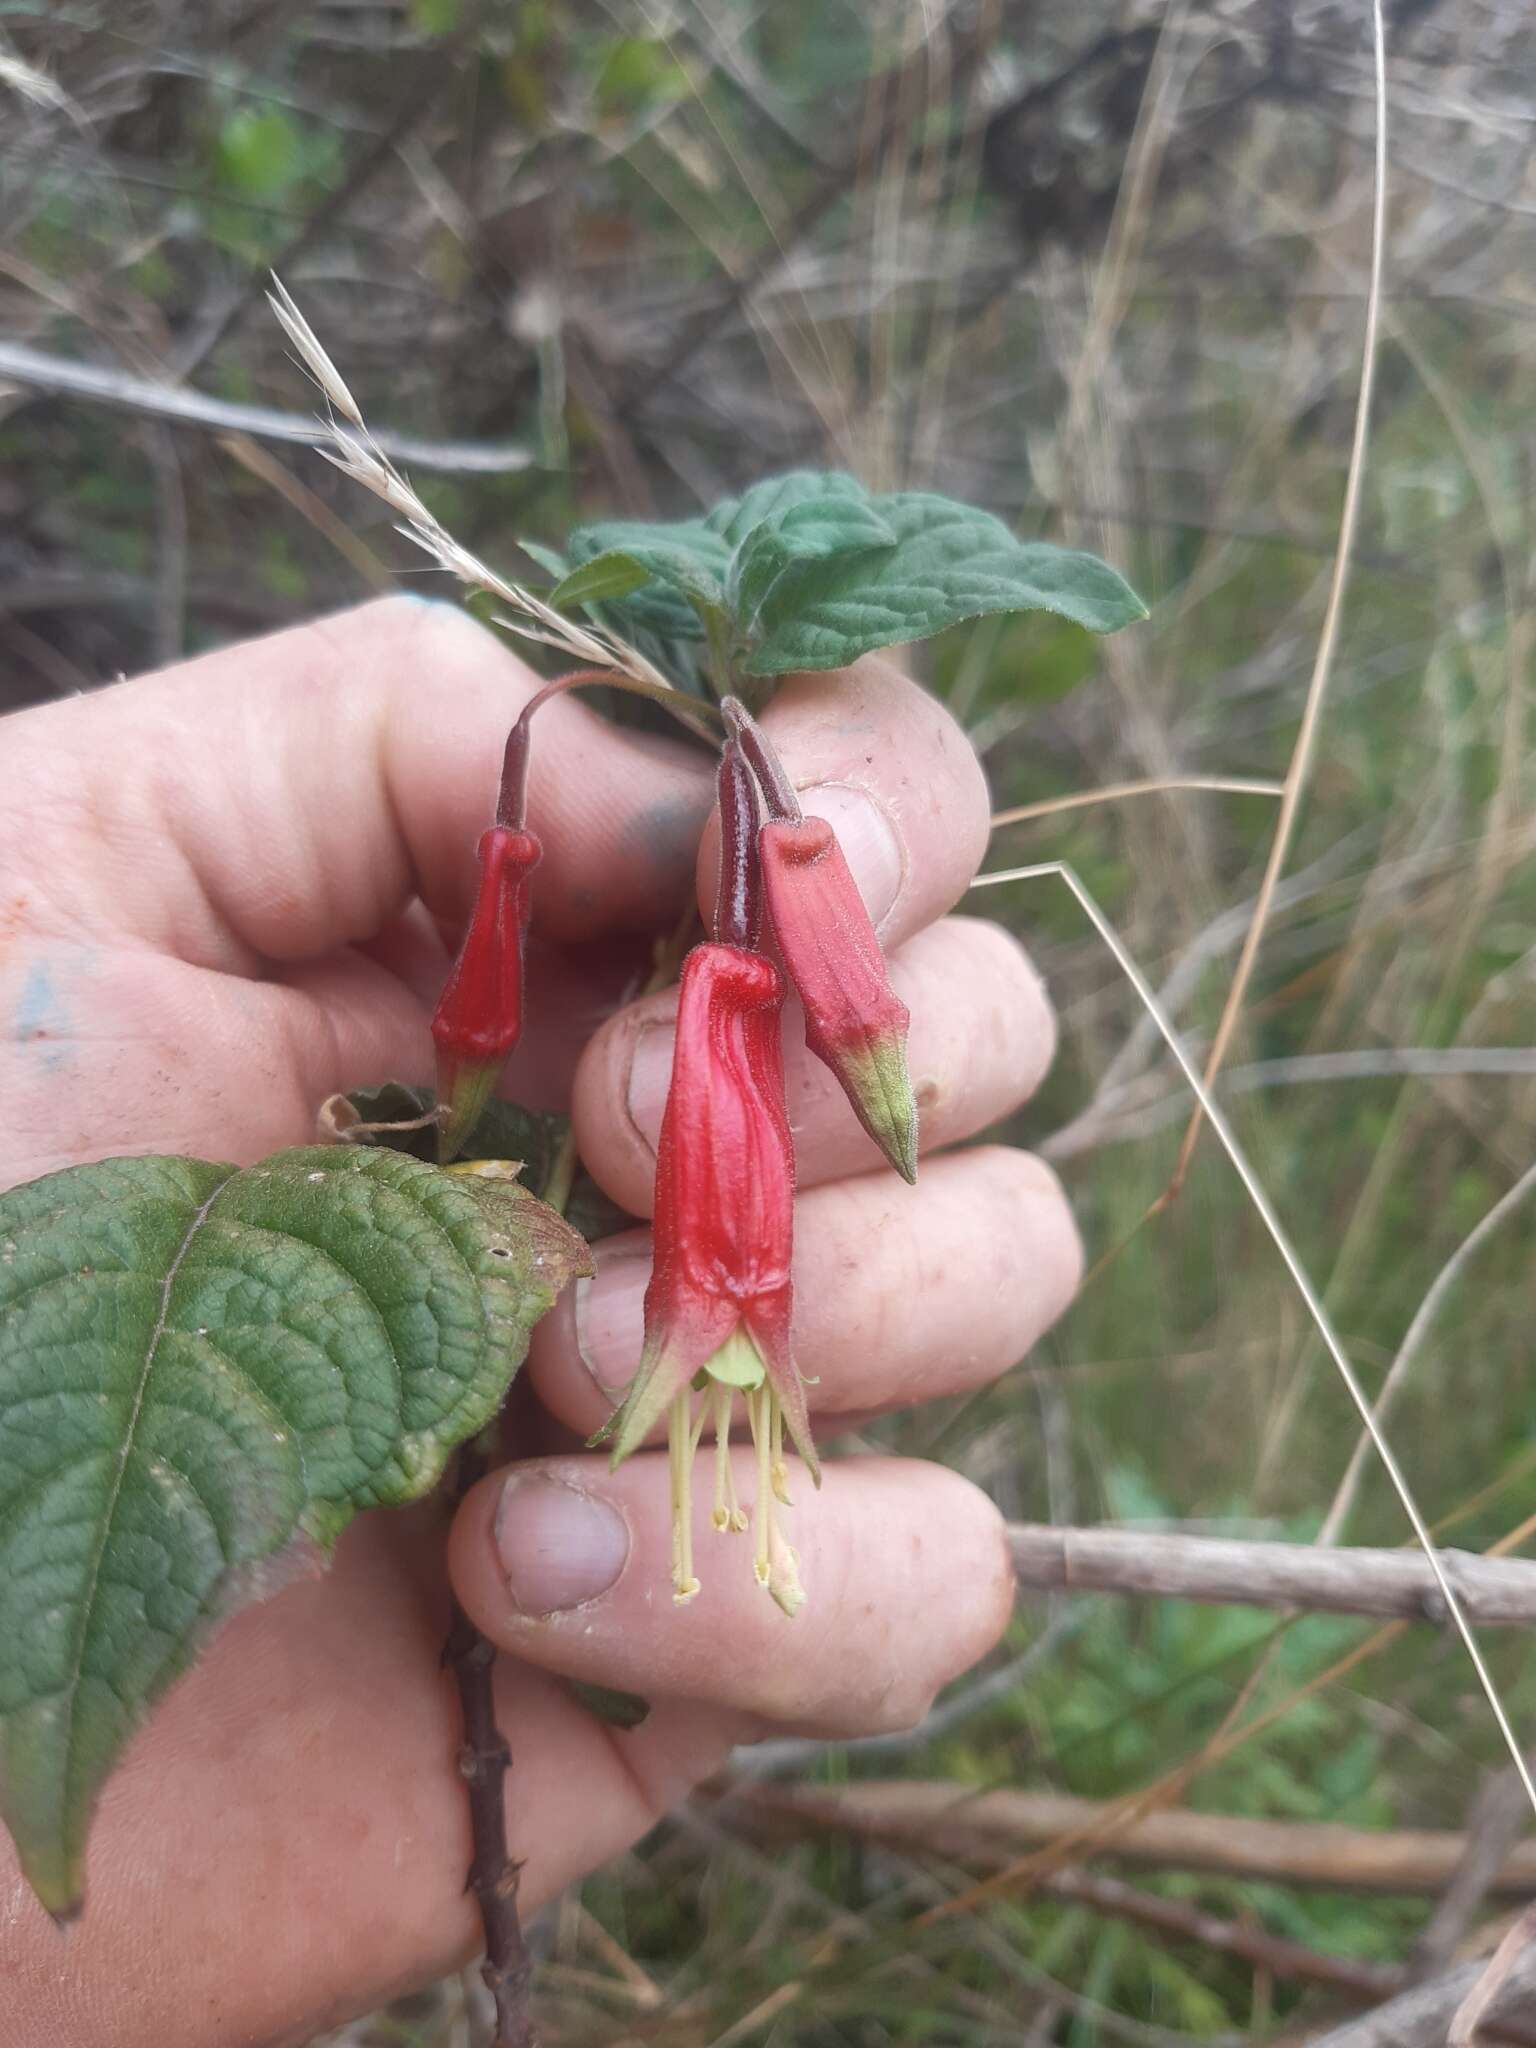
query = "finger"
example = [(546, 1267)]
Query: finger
[(869, 750), (901, 1294), (905, 1567), (285, 1845), (981, 1041), (294, 793)]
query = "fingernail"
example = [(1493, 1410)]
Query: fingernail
[(557, 1546), (868, 839), (650, 1076), (610, 1316)]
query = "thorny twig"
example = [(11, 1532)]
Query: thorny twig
[(484, 1760)]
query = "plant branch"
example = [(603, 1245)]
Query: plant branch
[(1226, 1571), (484, 1760), (1251, 1944), (60, 377), (941, 1817), (1422, 2018)]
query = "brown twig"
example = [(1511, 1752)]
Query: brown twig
[(1228, 1571), (1496, 1822), (484, 1760), (1422, 2018), (1476, 2009), (986, 1829), (1256, 1945)]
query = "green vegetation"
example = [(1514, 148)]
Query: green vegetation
[(1110, 285)]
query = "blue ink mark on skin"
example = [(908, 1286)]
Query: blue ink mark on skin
[(38, 1015)]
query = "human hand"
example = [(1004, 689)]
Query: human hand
[(222, 893)]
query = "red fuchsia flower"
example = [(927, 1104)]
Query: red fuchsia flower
[(719, 1303), (479, 1016), (854, 1021)]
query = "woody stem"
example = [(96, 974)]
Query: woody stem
[(484, 1760)]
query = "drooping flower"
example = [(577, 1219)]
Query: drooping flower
[(719, 1303), (854, 1021), (479, 1016)]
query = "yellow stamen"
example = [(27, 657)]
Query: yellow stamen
[(727, 1515), (780, 1469), (784, 1577), (681, 1443), (759, 1406)]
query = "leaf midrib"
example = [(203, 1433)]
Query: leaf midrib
[(88, 1605)]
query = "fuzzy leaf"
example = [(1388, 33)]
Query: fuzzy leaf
[(950, 563), (767, 563), (774, 496), (549, 560), (595, 582), (203, 1368), (684, 561)]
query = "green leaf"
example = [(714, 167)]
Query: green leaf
[(203, 1368), (604, 577), (950, 562), (766, 565), (609, 1704), (637, 71), (771, 498), (685, 562), (549, 560), (261, 152)]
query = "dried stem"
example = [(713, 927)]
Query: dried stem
[(121, 391), (1322, 667), (1257, 1194), (484, 1760), (1226, 1571), (945, 1817), (1157, 785), (1413, 1342), (357, 453)]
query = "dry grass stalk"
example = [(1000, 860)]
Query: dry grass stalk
[(357, 454)]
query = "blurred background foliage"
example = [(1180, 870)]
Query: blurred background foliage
[(1100, 267)]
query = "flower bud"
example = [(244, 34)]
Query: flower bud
[(479, 1017), (854, 1022)]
